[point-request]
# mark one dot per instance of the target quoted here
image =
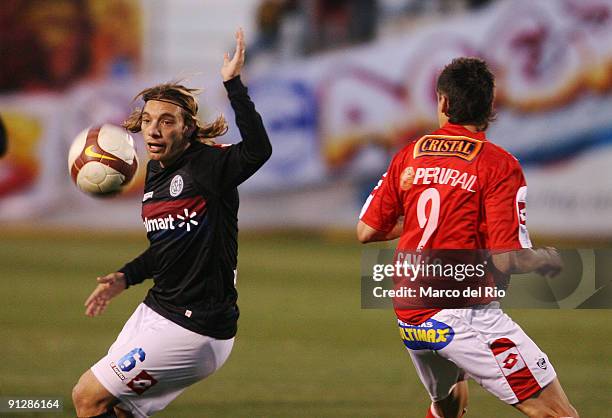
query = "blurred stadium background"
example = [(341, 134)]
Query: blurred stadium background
[(341, 85)]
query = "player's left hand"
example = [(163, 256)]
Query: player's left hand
[(231, 68)]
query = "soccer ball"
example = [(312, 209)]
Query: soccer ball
[(102, 160)]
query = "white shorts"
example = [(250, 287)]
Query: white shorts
[(482, 343), (153, 361)]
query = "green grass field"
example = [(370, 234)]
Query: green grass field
[(304, 346)]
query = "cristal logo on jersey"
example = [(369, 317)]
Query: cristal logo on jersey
[(448, 146), (430, 335), (176, 186)]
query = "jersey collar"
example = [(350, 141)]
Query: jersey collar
[(460, 130)]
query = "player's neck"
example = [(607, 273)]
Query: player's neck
[(471, 128)]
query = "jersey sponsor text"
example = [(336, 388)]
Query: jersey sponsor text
[(448, 146), (159, 224), (443, 175)]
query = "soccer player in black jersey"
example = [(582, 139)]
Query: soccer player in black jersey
[(184, 329)]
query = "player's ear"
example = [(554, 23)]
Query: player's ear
[(443, 103), (188, 129)]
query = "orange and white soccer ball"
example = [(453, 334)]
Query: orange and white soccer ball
[(102, 160)]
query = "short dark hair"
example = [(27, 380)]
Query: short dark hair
[(469, 86)]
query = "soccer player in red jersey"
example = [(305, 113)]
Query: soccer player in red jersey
[(455, 190)]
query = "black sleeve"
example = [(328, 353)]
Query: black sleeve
[(139, 269), (3, 138), (238, 162)]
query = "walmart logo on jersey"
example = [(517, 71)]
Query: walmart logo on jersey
[(430, 335), (175, 215), (171, 222)]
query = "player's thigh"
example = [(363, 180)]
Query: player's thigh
[(150, 367), (438, 374), (496, 353)]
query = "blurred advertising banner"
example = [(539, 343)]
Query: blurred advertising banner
[(553, 61), (49, 45), (30, 173), (336, 119)]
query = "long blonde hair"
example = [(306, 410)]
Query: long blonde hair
[(184, 98)]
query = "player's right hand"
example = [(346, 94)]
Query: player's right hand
[(552, 262), (108, 287)]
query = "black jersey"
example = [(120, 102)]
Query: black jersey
[(190, 212)]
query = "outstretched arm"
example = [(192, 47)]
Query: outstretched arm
[(242, 160), (545, 261)]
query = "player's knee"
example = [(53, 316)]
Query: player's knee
[(571, 412), (85, 401), (547, 410), (565, 410), (79, 398), (575, 412)]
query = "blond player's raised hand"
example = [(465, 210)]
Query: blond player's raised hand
[(108, 287), (232, 67)]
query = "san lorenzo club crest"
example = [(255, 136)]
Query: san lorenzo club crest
[(176, 186)]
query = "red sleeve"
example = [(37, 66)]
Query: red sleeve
[(383, 207), (505, 198)]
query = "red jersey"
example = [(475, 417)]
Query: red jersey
[(455, 190)]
